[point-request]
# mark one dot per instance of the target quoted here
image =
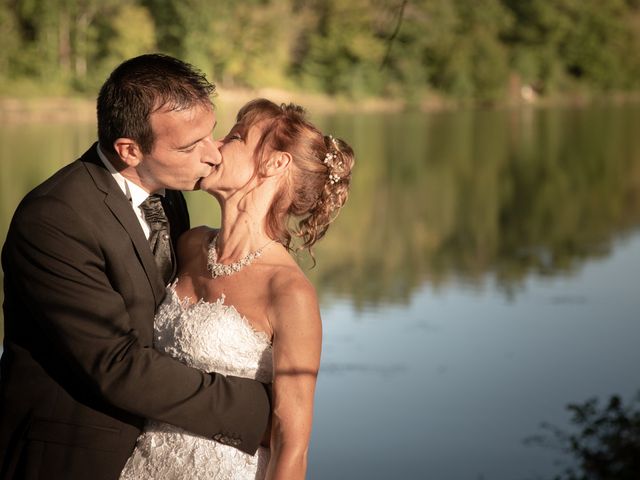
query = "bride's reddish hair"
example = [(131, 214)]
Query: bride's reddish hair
[(309, 196)]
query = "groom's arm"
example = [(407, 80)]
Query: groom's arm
[(53, 256)]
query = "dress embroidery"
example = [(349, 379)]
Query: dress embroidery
[(210, 336)]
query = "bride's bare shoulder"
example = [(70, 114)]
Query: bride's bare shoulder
[(291, 290)]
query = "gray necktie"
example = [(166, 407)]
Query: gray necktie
[(159, 238)]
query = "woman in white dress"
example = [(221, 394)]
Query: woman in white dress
[(241, 305)]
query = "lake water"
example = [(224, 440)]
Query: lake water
[(483, 275)]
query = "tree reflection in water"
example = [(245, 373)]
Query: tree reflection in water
[(457, 196), (605, 442), (479, 196)]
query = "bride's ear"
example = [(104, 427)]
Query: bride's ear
[(128, 151), (278, 163)]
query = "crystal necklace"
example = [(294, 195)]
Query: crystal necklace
[(220, 270)]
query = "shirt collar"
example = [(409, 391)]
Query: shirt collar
[(134, 192)]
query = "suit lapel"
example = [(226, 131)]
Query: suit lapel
[(120, 207)]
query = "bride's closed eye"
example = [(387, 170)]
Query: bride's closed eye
[(233, 136)]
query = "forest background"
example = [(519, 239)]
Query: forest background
[(415, 53)]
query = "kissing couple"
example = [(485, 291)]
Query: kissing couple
[(138, 348)]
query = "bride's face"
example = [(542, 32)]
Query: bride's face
[(237, 169)]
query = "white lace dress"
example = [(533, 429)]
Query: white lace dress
[(210, 337)]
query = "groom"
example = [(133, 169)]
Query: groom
[(86, 261)]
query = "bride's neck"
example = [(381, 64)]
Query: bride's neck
[(244, 213), (241, 231)]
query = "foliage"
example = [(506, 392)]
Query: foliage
[(466, 49), (605, 444), (125, 42), (576, 40), (253, 50)]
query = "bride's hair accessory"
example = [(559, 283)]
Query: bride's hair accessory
[(333, 162), (220, 270)]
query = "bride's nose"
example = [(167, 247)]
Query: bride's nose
[(218, 145), (214, 156)]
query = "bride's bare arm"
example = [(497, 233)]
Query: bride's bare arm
[(297, 340)]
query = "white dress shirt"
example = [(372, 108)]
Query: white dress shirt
[(134, 193)]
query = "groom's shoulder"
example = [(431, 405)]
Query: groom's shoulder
[(60, 183), (70, 184), (68, 188)]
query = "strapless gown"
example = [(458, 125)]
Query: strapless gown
[(210, 336)]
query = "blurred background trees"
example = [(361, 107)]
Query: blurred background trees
[(479, 50)]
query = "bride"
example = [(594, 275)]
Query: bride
[(241, 305)]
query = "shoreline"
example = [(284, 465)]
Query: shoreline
[(82, 108), (52, 108)]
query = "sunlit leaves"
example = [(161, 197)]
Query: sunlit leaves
[(467, 50)]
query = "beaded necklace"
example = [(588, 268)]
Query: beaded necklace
[(220, 270)]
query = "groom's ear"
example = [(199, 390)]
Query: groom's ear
[(278, 163), (128, 151)]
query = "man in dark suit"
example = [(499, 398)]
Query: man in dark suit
[(79, 373)]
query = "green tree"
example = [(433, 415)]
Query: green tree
[(559, 43), (11, 39), (39, 38), (465, 49), (123, 41), (595, 49), (254, 50), (471, 59), (346, 47)]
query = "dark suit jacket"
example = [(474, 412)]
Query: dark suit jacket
[(79, 374)]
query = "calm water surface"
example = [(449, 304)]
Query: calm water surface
[(482, 276)]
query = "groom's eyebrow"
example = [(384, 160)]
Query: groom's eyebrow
[(184, 147)]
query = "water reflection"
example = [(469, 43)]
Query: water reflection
[(457, 196), (481, 373), (436, 198)]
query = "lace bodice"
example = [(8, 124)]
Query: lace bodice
[(210, 336)]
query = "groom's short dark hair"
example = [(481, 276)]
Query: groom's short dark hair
[(140, 86)]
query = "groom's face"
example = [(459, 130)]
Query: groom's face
[(183, 150)]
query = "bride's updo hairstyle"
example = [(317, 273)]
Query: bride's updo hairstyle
[(319, 176)]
